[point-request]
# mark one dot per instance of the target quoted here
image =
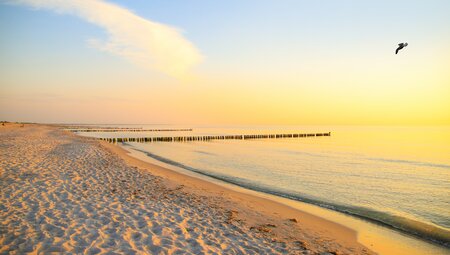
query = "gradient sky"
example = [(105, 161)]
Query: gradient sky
[(229, 62)]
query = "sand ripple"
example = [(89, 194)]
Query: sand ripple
[(66, 194)]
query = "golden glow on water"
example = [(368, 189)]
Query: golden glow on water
[(429, 144)]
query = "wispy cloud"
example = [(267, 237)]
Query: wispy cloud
[(144, 42)]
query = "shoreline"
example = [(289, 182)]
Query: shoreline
[(418, 244), (65, 193)]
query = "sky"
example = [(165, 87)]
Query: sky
[(253, 62)]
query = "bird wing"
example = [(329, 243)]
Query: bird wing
[(396, 51)]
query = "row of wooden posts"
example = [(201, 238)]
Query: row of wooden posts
[(96, 127), (210, 137), (129, 130)]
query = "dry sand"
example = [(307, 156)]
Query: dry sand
[(61, 193)]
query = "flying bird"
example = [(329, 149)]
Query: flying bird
[(401, 46)]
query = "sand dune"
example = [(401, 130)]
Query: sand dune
[(66, 194)]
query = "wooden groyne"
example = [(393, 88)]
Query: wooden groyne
[(98, 127), (210, 137), (129, 130), (95, 127)]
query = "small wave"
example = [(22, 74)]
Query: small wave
[(205, 153), (410, 162), (416, 228), (303, 153)]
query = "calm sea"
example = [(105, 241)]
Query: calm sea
[(395, 176)]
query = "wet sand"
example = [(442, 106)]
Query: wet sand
[(68, 194)]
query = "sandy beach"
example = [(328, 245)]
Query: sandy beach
[(61, 193)]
